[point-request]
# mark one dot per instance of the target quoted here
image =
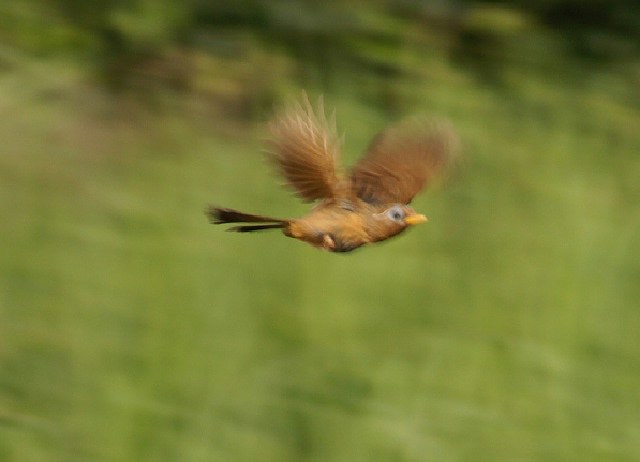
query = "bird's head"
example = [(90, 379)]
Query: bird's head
[(393, 220)]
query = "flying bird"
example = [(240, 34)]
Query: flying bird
[(370, 202)]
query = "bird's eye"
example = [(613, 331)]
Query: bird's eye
[(395, 213)]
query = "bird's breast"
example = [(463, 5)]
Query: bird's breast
[(346, 228)]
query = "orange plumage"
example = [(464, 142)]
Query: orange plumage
[(371, 202)]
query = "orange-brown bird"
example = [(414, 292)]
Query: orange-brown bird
[(371, 202)]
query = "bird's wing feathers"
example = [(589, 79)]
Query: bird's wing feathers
[(305, 148), (402, 159)]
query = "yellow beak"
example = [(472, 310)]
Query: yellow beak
[(415, 219)]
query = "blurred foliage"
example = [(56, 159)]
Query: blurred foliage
[(130, 329), (162, 44)]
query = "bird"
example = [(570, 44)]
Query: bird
[(368, 203)]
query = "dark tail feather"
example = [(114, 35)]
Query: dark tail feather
[(219, 215), (252, 228)]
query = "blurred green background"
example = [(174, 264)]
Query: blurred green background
[(505, 329)]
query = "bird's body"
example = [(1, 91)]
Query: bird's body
[(330, 226), (340, 227), (368, 205)]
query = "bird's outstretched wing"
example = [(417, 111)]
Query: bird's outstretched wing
[(305, 148), (402, 159)]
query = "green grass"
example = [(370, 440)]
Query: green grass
[(504, 329)]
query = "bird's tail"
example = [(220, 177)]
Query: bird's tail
[(219, 215)]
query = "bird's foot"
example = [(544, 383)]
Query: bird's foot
[(328, 243)]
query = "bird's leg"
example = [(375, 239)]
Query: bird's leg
[(328, 243)]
